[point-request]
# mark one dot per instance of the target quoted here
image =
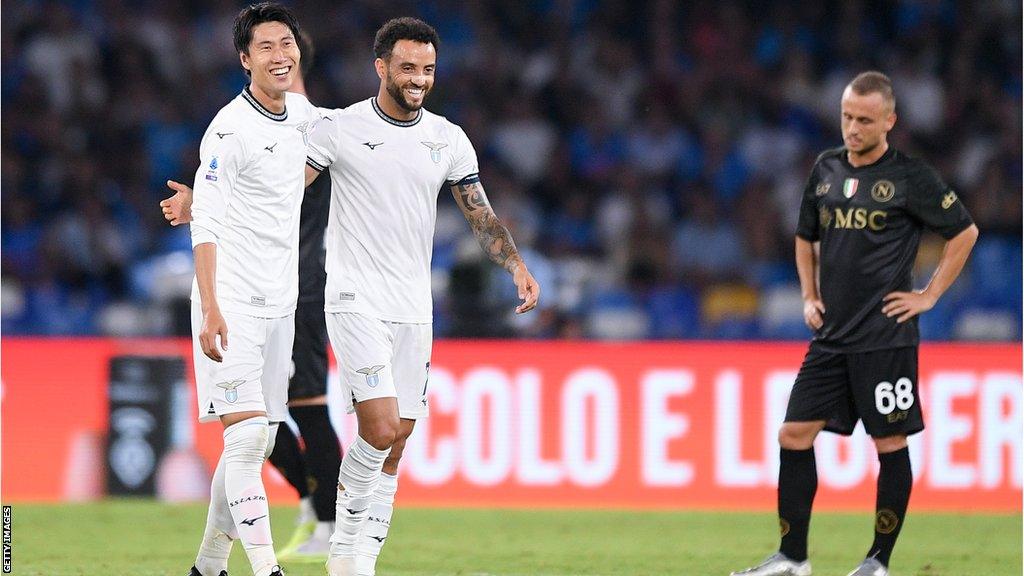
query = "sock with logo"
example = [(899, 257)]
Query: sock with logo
[(357, 481), (220, 530), (375, 528), (798, 481), (245, 445), (895, 478), (322, 457), (288, 459)]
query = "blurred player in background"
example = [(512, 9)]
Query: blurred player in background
[(389, 158), (861, 218), (245, 230), (312, 471)]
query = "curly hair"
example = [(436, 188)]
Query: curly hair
[(405, 28)]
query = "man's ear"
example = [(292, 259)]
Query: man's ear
[(382, 68)]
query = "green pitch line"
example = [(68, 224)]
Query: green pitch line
[(141, 538)]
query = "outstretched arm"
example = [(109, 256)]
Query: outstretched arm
[(496, 240)]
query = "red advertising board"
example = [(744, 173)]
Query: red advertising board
[(644, 425)]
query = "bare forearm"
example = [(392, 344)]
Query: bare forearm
[(497, 242), (954, 256), (492, 235), (206, 274), (806, 268)]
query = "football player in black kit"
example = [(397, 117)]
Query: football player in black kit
[(861, 217), (313, 472)]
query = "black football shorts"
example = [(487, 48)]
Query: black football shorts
[(879, 387), (309, 352)]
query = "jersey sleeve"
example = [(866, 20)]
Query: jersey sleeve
[(936, 205), (221, 158), (807, 225), (464, 168), (322, 148)]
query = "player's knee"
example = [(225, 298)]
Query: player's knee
[(246, 441), (888, 444), (798, 435), (381, 434)]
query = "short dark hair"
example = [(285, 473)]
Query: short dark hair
[(874, 81), (256, 14), (405, 28)]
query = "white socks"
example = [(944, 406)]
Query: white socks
[(357, 481), (375, 528), (220, 529), (245, 445)]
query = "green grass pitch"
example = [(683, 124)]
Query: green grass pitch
[(142, 538)]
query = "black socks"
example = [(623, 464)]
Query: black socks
[(287, 458), (894, 482), (322, 456), (798, 481)]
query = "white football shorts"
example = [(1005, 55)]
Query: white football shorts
[(379, 359), (254, 373)]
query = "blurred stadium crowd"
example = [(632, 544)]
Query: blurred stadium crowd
[(648, 156)]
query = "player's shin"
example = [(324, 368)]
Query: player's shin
[(895, 478), (220, 530), (357, 481), (245, 445), (375, 528), (798, 482)]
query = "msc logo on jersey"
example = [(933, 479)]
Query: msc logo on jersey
[(435, 150), (883, 191), (948, 200), (852, 218), (230, 390), (371, 373)]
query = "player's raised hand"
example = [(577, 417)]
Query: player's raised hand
[(178, 208), (214, 325), (813, 309), (906, 305), (529, 290)]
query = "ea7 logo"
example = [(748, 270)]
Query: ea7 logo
[(372, 378), (230, 392), (948, 200)]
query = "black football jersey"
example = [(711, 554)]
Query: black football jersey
[(869, 221), (316, 205)]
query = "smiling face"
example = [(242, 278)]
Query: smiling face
[(866, 121), (408, 73), (272, 58)]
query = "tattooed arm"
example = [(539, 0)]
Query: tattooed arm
[(496, 241)]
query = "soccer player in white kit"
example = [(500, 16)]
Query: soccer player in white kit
[(389, 159), (247, 195)]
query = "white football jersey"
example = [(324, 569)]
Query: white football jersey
[(385, 179), (246, 200)]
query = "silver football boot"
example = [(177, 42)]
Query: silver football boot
[(870, 567), (778, 565)]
